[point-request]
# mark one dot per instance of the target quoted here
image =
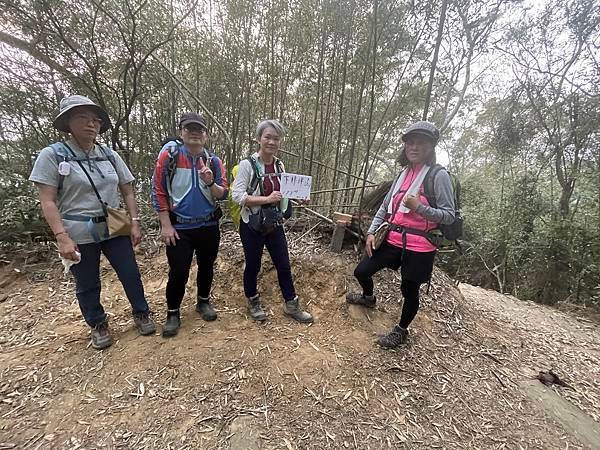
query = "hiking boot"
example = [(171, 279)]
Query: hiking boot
[(354, 298), (101, 337), (206, 310), (144, 323), (172, 324), (256, 310), (395, 338), (292, 309)]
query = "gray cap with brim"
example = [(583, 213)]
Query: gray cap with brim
[(74, 101), (423, 128)]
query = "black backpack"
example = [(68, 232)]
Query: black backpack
[(454, 231)]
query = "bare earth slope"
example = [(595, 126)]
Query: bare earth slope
[(465, 381)]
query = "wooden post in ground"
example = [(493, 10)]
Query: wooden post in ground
[(341, 221)]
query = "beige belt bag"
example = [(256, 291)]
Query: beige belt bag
[(118, 221)]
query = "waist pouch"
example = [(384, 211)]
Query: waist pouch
[(265, 220), (118, 221)]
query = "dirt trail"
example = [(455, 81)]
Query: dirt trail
[(236, 384), (548, 339)]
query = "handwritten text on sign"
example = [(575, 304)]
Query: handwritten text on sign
[(295, 186)]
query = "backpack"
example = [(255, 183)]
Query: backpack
[(62, 154), (234, 208), (454, 231), (174, 152)]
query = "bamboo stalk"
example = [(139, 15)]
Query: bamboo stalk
[(322, 205), (182, 87), (326, 219), (326, 191), (319, 163), (438, 43)]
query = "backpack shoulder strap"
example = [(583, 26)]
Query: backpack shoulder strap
[(62, 155), (108, 154), (209, 156), (279, 166), (60, 151), (256, 180), (173, 151), (428, 184)]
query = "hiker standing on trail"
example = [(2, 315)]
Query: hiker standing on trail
[(263, 208), (77, 180), (407, 244), (188, 180)]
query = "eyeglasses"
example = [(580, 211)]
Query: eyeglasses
[(268, 137), (83, 118), (194, 129)]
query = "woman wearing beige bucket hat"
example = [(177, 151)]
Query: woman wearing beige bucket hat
[(77, 180)]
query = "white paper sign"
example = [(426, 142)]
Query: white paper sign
[(295, 186)]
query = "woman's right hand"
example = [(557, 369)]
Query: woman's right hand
[(275, 197), (66, 247), (168, 234), (369, 246)]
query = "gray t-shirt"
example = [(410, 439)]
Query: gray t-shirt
[(77, 197)]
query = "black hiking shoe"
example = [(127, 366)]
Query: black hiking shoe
[(172, 324), (256, 310), (395, 338), (144, 323), (354, 298), (292, 309), (101, 337), (206, 310)]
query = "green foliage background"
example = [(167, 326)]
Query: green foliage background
[(515, 92)]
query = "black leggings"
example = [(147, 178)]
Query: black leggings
[(416, 269), (410, 307), (204, 241)]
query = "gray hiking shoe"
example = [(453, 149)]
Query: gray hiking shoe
[(144, 323), (292, 309), (395, 338), (256, 310), (355, 298), (172, 324), (206, 310), (101, 337)]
